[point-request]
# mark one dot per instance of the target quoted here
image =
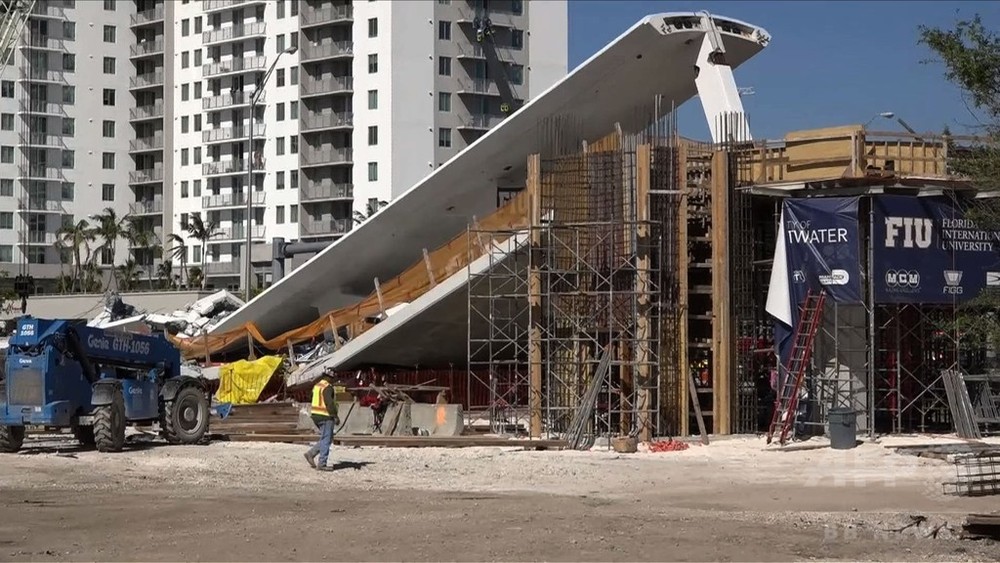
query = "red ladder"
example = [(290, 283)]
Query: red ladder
[(787, 403)]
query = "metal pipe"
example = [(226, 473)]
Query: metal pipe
[(258, 90)]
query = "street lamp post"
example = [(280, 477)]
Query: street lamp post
[(254, 97)]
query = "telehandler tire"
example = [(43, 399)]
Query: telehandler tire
[(11, 438), (109, 424), (185, 418)]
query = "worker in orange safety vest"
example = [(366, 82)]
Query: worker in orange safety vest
[(324, 415)]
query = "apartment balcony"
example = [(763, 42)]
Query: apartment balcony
[(310, 86), (324, 156), (216, 5), (42, 75), (238, 199), (145, 48), (156, 237), (231, 268), (479, 122), (332, 50), (325, 190), (148, 207), (225, 134), (148, 16), (40, 205), (42, 106), (223, 101), (475, 51), (230, 167), (41, 140), (150, 111), (49, 9), (323, 227), (145, 175), (238, 233), (233, 33), (483, 86), (36, 237), (44, 42), (152, 143), (319, 121), (498, 17), (310, 16), (41, 172), (233, 66), (146, 80)]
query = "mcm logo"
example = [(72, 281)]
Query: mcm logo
[(915, 232)]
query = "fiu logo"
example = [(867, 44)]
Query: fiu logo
[(913, 232)]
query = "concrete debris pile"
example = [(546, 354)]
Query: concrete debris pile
[(193, 320)]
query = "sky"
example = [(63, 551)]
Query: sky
[(828, 63)]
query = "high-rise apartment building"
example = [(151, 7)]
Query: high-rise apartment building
[(360, 100)]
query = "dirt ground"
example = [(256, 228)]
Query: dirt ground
[(732, 500)]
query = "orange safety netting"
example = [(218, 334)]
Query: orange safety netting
[(407, 286)]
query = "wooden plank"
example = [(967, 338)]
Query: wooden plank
[(696, 405), (535, 298), (683, 259), (430, 269), (722, 342), (643, 331)]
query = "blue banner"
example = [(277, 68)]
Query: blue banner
[(926, 251), (822, 243)]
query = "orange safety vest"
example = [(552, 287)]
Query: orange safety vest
[(318, 404)]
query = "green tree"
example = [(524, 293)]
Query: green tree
[(77, 239), (165, 274), (179, 251), (128, 275), (111, 228), (371, 208), (201, 232)]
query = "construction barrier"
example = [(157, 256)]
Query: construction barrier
[(242, 382)]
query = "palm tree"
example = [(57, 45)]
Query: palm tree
[(202, 232), (196, 277), (78, 238), (165, 274), (179, 251), (128, 274), (111, 228), (92, 278), (371, 208)]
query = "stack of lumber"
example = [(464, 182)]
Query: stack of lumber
[(262, 422), (982, 526)]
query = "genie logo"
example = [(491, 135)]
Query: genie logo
[(916, 232)]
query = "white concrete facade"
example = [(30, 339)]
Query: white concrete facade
[(375, 96)]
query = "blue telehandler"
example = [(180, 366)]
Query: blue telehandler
[(64, 374)]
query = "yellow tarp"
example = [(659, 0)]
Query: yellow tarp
[(241, 382)]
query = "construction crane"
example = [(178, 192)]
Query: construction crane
[(13, 15), (496, 67)]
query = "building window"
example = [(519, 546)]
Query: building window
[(280, 77), (7, 220), (7, 154), (444, 137), (279, 215), (184, 157), (110, 33), (444, 2), (6, 254), (444, 30), (185, 92), (280, 112), (373, 63), (69, 62), (197, 90), (197, 24), (108, 129), (373, 99), (197, 155), (279, 146), (197, 188), (7, 89), (69, 95), (372, 135), (293, 143), (109, 96), (7, 122), (293, 39), (295, 8), (108, 161), (185, 28), (184, 216), (444, 101), (109, 5), (293, 110), (517, 74), (110, 66), (68, 159), (280, 7), (107, 192), (69, 31), (373, 172), (517, 38), (293, 176), (279, 43), (67, 191), (68, 126), (197, 57), (279, 180), (184, 194), (372, 27), (293, 76), (184, 123), (7, 187), (444, 66), (293, 213), (185, 59)]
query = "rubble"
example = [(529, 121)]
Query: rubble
[(195, 319)]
